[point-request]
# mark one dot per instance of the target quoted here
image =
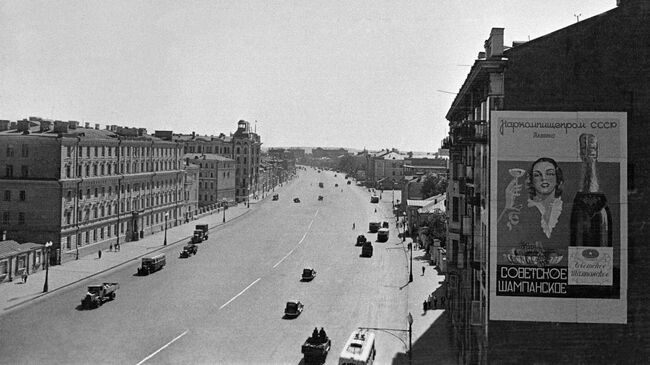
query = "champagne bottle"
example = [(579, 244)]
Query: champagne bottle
[(591, 220)]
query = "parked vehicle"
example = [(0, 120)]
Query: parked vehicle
[(296, 200), (188, 250), (373, 227), (384, 224), (316, 347), (336, 185), (320, 185), (349, 182), (366, 249), (276, 196), (293, 309), (151, 264), (200, 233), (374, 199), (320, 197), (308, 274), (382, 235), (359, 349), (98, 294), (361, 239)]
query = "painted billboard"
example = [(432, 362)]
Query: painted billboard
[(558, 217)]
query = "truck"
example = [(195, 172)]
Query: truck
[(366, 249), (189, 250), (316, 348), (373, 227), (200, 233), (98, 294)]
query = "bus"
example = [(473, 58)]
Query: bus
[(360, 349)]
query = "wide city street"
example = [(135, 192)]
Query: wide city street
[(226, 304)]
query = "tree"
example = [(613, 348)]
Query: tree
[(346, 163), (437, 224), (433, 184)]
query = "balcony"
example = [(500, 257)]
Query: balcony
[(469, 131)]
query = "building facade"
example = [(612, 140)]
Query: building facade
[(246, 153), (86, 188), (216, 178), (592, 72)]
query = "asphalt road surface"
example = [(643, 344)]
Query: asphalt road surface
[(225, 305)]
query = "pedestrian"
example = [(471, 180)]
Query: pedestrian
[(110, 247), (423, 268), (24, 277), (99, 254), (424, 306), (442, 302), (375, 210), (353, 225), (435, 302)]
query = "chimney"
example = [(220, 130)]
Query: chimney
[(4, 125), (494, 44), (23, 125), (45, 125), (61, 127), (87, 125), (193, 135), (97, 126)]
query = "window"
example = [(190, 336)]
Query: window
[(69, 151), (69, 195), (455, 209), (9, 171), (87, 151), (67, 171), (21, 218), (7, 195), (10, 151), (5, 217), (24, 171), (87, 170), (96, 192), (24, 150), (94, 170), (22, 195), (96, 151)]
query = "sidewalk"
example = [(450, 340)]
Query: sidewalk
[(13, 294)]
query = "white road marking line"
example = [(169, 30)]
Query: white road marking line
[(162, 348), (240, 293), (282, 259)]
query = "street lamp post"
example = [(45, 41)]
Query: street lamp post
[(47, 265), (410, 319), (411, 269), (224, 209), (166, 216)]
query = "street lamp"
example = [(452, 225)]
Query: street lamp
[(224, 209), (48, 244), (410, 319), (411, 270), (166, 216)]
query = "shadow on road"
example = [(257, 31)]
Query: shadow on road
[(433, 347)]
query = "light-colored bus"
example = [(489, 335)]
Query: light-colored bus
[(359, 349)]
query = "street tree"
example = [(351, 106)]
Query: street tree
[(433, 184)]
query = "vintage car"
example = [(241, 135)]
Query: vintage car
[(308, 274), (189, 250), (374, 199), (293, 308), (276, 196), (320, 197), (361, 239), (349, 182), (296, 200), (316, 347), (384, 224), (373, 227), (336, 185)]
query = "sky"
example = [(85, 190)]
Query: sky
[(324, 73)]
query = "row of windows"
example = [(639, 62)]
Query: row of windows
[(137, 187), (222, 150), (106, 210), (225, 174), (24, 151), (24, 171), (212, 165), (6, 218), (124, 151), (101, 169), (22, 195)]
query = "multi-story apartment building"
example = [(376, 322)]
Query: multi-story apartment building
[(246, 153), (216, 178), (84, 188), (575, 98)]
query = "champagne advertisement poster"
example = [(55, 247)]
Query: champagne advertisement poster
[(558, 217)]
